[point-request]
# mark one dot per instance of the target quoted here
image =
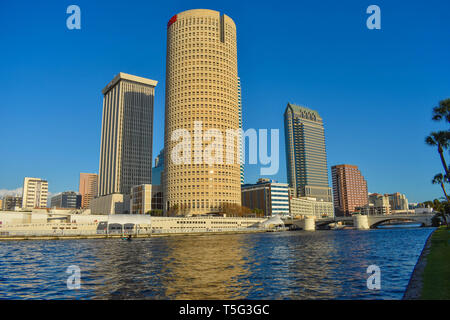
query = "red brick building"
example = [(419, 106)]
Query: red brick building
[(349, 189)]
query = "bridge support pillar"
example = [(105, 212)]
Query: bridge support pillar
[(361, 222), (308, 224)]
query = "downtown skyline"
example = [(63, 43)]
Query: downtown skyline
[(387, 145)]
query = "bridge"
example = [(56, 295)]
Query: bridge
[(360, 222)]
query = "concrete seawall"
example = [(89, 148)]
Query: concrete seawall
[(414, 289)]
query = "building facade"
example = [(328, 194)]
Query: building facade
[(35, 193), (267, 195), (145, 198), (305, 153), (88, 188), (371, 210), (115, 203), (241, 127), (302, 207), (349, 189), (398, 201), (412, 205), (127, 133), (157, 170), (201, 99), (66, 200), (11, 203), (378, 205)]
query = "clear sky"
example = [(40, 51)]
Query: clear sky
[(374, 88)]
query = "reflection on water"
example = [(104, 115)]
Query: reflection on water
[(288, 265)]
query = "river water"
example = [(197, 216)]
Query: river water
[(279, 265)]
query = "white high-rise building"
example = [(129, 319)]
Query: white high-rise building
[(35, 193)]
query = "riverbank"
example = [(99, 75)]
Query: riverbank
[(431, 276), (118, 236)]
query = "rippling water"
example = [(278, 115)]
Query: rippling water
[(287, 265)]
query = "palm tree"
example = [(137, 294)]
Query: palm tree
[(440, 139), (442, 111), (441, 179)]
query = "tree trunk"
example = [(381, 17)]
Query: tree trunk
[(446, 196), (444, 163), (443, 189)]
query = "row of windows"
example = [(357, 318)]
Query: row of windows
[(191, 78), (183, 51), (211, 90), (182, 102), (223, 185), (195, 196), (185, 170), (214, 112), (198, 64), (175, 51), (229, 48), (179, 190), (220, 124), (203, 96), (202, 205)]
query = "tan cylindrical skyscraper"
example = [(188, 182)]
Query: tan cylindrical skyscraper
[(201, 89)]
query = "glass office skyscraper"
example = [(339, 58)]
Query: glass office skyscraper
[(127, 134), (306, 157)]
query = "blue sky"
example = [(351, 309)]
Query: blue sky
[(373, 88)]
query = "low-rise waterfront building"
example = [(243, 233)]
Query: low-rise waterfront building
[(301, 207), (115, 203), (412, 205), (48, 223), (67, 199), (202, 223), (370, 210), (423, 210), (267, 195)]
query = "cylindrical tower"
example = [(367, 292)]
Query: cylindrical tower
[(201, 95)]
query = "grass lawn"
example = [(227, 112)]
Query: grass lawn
[(436, 276)]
